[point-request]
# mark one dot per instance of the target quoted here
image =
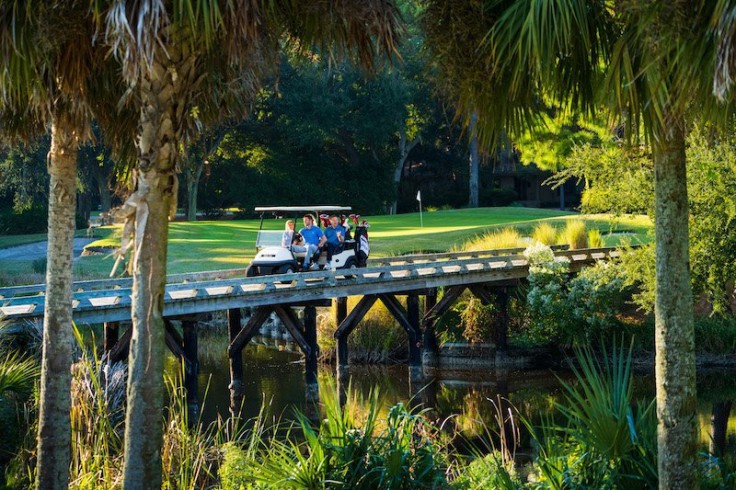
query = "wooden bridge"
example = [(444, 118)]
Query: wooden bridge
[(487, 274)]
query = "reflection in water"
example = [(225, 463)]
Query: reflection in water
[(458, 400)]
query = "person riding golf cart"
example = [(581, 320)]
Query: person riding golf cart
[(290, 251)]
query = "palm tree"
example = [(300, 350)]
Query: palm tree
[(192, 63), (52, 75), (653, 64)]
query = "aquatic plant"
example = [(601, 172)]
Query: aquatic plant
[(403, 451)]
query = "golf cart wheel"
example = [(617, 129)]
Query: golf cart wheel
[(351, 263), (285, 269), (250, 271)]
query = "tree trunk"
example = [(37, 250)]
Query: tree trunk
[(404, 150), (675, 355), (473, 201), (192, 190), (105, 199), (157, 183), (54, 429)]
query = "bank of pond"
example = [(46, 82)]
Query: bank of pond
[(592, 426)]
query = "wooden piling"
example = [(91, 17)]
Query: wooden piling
[(110, 336), (431, 349), (310, 335), (415, 338)]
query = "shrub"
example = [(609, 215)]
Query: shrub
[(477, 321), (497, 196), (33, 220), (506, 238), (545, 233), (574, 234), (39, 265)]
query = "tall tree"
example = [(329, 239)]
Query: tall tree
[(52, 75), (187, 61), (654, 63)]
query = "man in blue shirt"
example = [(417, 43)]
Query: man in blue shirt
[(335, 235), (311, 234)]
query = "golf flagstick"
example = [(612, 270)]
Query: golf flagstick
[(419, 198)]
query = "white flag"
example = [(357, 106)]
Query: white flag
[(419, 195)]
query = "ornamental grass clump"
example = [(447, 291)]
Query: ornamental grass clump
[(545, 234), (574, 234), (497, 239)]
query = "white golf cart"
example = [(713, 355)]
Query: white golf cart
[(273, 258)]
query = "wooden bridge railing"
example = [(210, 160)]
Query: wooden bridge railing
[(109, 300)]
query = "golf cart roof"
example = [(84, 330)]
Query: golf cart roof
[(300, 209)]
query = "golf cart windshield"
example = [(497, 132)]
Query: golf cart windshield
[(300, 209)]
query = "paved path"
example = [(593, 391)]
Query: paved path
[(33, 251)]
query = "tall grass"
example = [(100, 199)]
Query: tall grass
[(574, 234), (544, 233), (401, 452), (505, 238), (595, 240), (18, 375)]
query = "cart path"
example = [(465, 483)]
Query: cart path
[(37, 250)]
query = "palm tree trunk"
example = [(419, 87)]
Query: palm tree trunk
[(157, 192), (473, 200), (54, 429), (675, 355)]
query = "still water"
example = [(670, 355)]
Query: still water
[(459, 398)]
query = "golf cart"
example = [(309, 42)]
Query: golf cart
[(273, 258)]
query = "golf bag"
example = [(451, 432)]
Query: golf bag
[(363, 248)]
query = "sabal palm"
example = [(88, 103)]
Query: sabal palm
[(653, 64), (190, 64), (53, 75)]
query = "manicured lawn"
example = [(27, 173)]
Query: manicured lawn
[(210, 245)]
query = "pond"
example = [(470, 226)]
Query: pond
[(460, 399)]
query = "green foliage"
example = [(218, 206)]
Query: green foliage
[(341, 453), (477, 320), (496, 196), (547, 294), (575, 234), (488, 471), (607, 440), (27, 221), (573, 310), (621, 180), (18, 375), (545, 234)]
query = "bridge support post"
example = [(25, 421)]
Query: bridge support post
[(191, 368), (310, 335), (110, 336), (341, 312), (344, 328), (415, 339), (431, 349), (236, 362)]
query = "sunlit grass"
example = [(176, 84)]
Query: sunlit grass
[(209, 245)]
